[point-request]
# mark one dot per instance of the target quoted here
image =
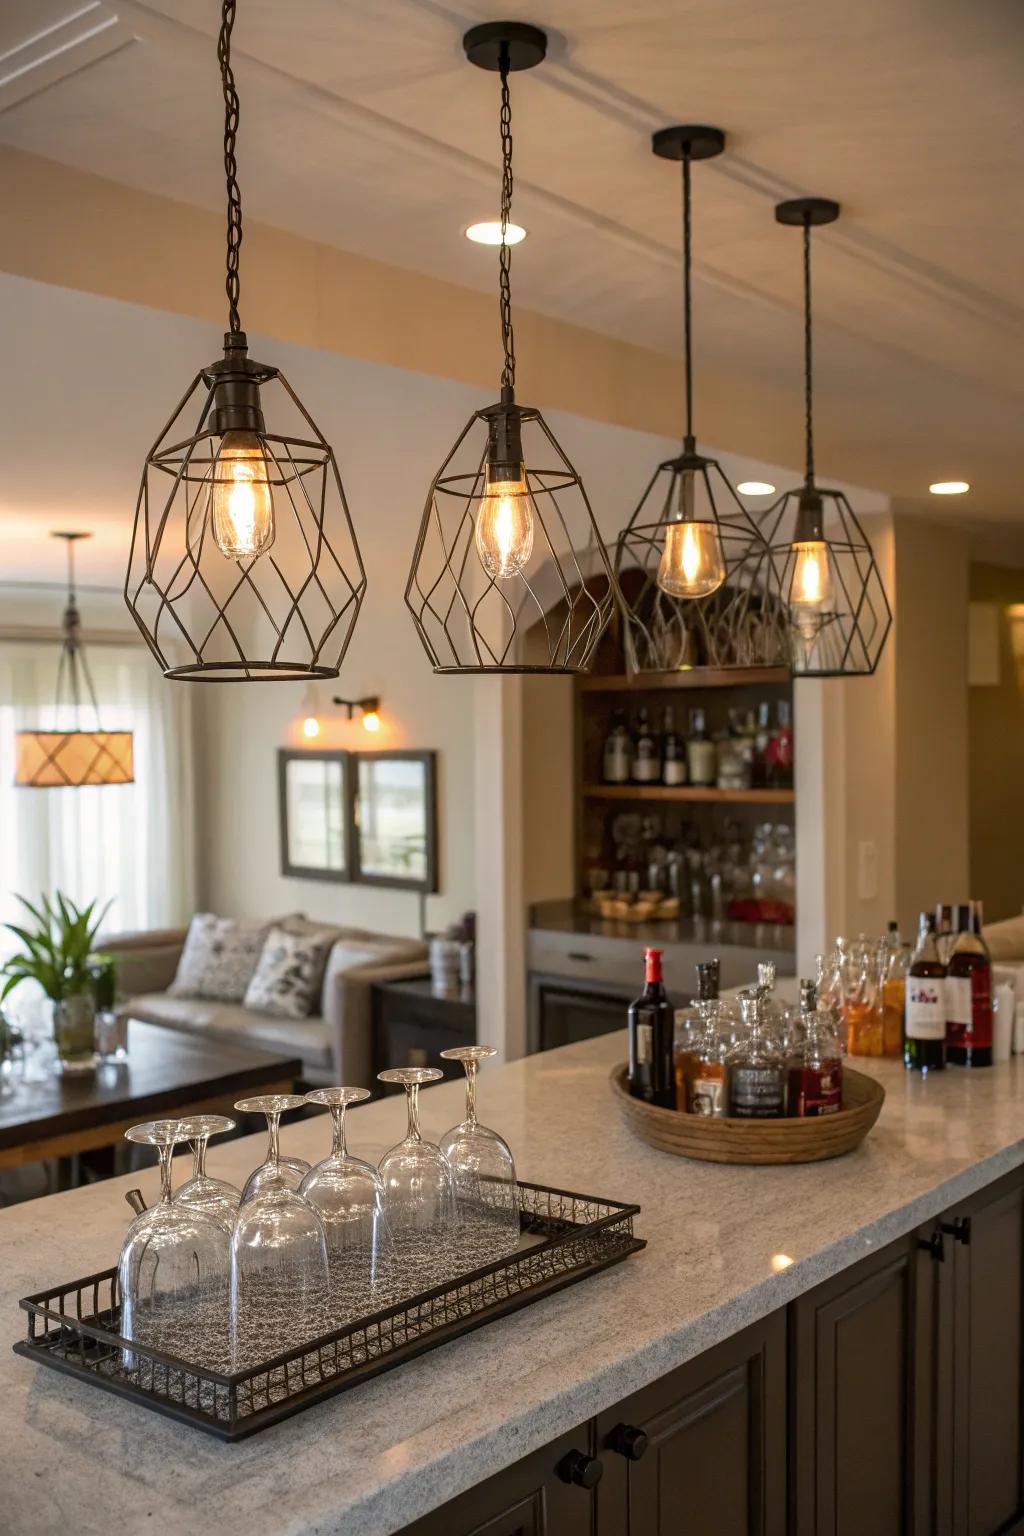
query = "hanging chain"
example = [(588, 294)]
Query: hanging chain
[(687, 307), (508, 372), (808, 360), (230, 164)]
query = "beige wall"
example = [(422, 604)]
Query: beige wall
[(548, 789), (996, 755)]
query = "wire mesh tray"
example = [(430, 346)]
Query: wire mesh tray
[(74, 1328)]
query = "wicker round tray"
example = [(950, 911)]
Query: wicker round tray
[(756, 1141)]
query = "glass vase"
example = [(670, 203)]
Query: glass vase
[(74, 1030)]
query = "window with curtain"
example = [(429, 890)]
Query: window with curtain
[(131, 844)]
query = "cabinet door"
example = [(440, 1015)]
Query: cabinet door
[(534, 1497), (572, 1013), (862, 1379), (986, 1239), (713, 1458)]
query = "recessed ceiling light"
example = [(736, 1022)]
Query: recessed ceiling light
[(489, 233), (949, 487), (755, 488)]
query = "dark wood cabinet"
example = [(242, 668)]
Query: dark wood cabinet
[(413, 1022), (566, 1013), (703, 1449)]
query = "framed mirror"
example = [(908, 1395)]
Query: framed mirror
[(313, 793), (395, 820)]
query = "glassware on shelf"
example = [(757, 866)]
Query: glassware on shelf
[(419, 1195), (203, 1192), (483, 1173), (173, 1269), (348, 1195), (289, 1171), (279, 1287)]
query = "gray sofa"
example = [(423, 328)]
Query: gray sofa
[(335, 1044)]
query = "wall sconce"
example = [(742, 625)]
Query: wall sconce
[(369, 708), (310, 714)]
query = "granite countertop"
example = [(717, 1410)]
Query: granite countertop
[(726, 1246), (569, 917)]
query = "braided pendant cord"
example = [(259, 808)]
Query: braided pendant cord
[(808, 359), (234, 236), (508, 372)]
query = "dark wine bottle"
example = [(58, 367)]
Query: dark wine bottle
[(969, 994), (651, 1030), (924, 1017)]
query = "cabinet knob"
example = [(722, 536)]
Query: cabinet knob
[(935, 1245), (629, 1441), (580, 1470)]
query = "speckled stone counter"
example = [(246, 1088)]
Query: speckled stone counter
[(370, 1460)]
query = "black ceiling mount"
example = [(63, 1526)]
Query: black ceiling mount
[(703, 143), (514, 43), (807, 210)]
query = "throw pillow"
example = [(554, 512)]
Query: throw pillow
[(289, 974), (219, 958)]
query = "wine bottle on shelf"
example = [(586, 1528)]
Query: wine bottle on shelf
[(762, 742), (646, 757), (924, 1019), (651, 1032), (701, 757), (969, 994), (617, 762), (673, 751), (779, 755)]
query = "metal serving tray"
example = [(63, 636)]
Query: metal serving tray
[(74, 1328)]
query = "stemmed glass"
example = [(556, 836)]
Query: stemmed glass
[(348, 1195), (172, 1273), (483, 1171), (203, 1192), (418, 1189), (279, 1281), (275, 1169)]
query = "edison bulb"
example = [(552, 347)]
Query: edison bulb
[(504, 527), (692, 563), (243, 505), (311, 727), (810, 590)]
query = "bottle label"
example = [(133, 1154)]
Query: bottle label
[(646, 768), (816, 1090), (644, 1045), (969, 1009), (674, 771), (706, 1095), (926, 1004), (756, 1092), (617, 762)]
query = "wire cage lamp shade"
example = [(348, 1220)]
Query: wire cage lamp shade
[(509, 573), (837, 613), (695, 578), (244, 564), (58, 757)]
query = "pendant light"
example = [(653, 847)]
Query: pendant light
[(509, 573), (692, 567), (244, 564), (838, 613), (57, 758)]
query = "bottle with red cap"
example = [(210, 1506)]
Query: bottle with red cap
[(651, 1029)]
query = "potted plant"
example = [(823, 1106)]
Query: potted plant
[(55, 954)]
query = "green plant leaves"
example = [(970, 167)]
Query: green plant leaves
[(55, 953)]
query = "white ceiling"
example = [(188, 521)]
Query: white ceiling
[(363, 126)]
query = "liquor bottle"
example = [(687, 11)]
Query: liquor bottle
[(894, 993), (762, 741), (646, 758), (924, 1020), (617, 761), (779, 755), (673, 751), (755, 1074), (704, 1080), (969, 994), (814, 1076), (650, 1025), (700, 752)]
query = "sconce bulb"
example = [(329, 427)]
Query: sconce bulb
[(810, 590), (371, 721), (504, 527), (311, 727), (242, 504)]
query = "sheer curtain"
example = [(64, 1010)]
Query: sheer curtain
[(133, 844)]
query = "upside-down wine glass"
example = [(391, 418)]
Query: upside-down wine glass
[(275, 1169), (279, 1283), (418, 1192), (348, 1194), (483, 1171), (173, 1269), (203, 1192)]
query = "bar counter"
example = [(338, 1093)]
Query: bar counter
[(726, 1247)]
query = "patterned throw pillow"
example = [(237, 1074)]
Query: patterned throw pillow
[(288, 977), (219, 958)]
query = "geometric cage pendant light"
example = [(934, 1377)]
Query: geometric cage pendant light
[(62, 758), (509, 573), (244, 564), (695, 575), (838, 616)]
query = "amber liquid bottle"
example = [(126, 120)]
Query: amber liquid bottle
[(651, 1027), (924, 1016), (704, 1082), (969, 994)]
